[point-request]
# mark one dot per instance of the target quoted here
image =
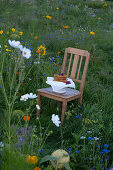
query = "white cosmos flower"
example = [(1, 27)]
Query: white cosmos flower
[(15, 44), (24, 97), (32, 96), (26, 53), (55, 120), (82, 137), (96, 138), (38, 107)]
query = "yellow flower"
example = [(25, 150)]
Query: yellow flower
[(20, 33), (48, 17), (92, 33), (65, 26), (57, 8), (42, 49), (105, 5), (7, 33), (13, 29), (1, 32), (99, 18), (8, 50), (5, 46)]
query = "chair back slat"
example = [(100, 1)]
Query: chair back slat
[(69, 65), (79, 67), (74, 66)]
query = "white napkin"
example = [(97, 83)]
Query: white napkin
[(59, 86)]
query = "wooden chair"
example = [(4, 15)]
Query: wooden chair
[(75, 64)]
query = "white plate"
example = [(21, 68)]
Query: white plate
[(60, 91)]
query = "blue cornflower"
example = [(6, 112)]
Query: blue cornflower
[(107, 157), (101, 152), (31, 49), (0, 86), (98, 146), (101, 160), (44, 74), (90, 138), (25, 41), (76, 151), (69, 154), (41, 150), (5, 69), (29, 44), (55, 67), (78, 117), (26, 46), (70, 149), (105, 151), (106, 146), (107, 169), (58, 56)]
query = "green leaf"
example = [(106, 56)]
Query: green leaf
[(48, 158), (66, 165)]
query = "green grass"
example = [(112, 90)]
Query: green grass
[(97, 110)]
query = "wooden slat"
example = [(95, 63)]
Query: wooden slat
[(77, 51), (69, 65), (74, 67), (64, 61), (79, 67)]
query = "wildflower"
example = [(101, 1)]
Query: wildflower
[(35, 37), (38, 107), (26, 118), (76, 151), (1, 31), (96, 138), (90, 138), (106, 146), (41, 150), (38, 51), (1, 144), (107, 157), (16, 73), (58, 52), (82, 137), (26, 84), (99, 18), (26, 53), (57, 8), (37, 168), (20, 33), (32, 96), (98, 146), (65, 26), (42, 49), (49, 17), (24, 97), (13, 29), (92, 33), (7, 33), (32, 34), (8, 50), (5, 46), (70, 149), (34, 159), (105, 5), (15, 44), (105, 151), (78, 117), (55, 120)]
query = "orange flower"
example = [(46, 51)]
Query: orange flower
[(57, 8), (38, 51), (37, 168), (20, 33), (49, 17), (26, 118), (35, 37), (65, 26), (7, 33), (1, 31), (58, 52), (92, 33), (16, 73), (34, 159)]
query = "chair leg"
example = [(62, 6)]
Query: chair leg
[(64, 104), (39, 103), (58, 105), (80, 101)]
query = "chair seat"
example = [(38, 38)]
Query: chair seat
[(69, 95)]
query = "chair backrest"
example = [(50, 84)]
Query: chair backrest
[(75, 64)]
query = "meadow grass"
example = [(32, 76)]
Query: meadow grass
[(93, 118)]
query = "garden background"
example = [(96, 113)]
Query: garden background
[(46, 28)]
